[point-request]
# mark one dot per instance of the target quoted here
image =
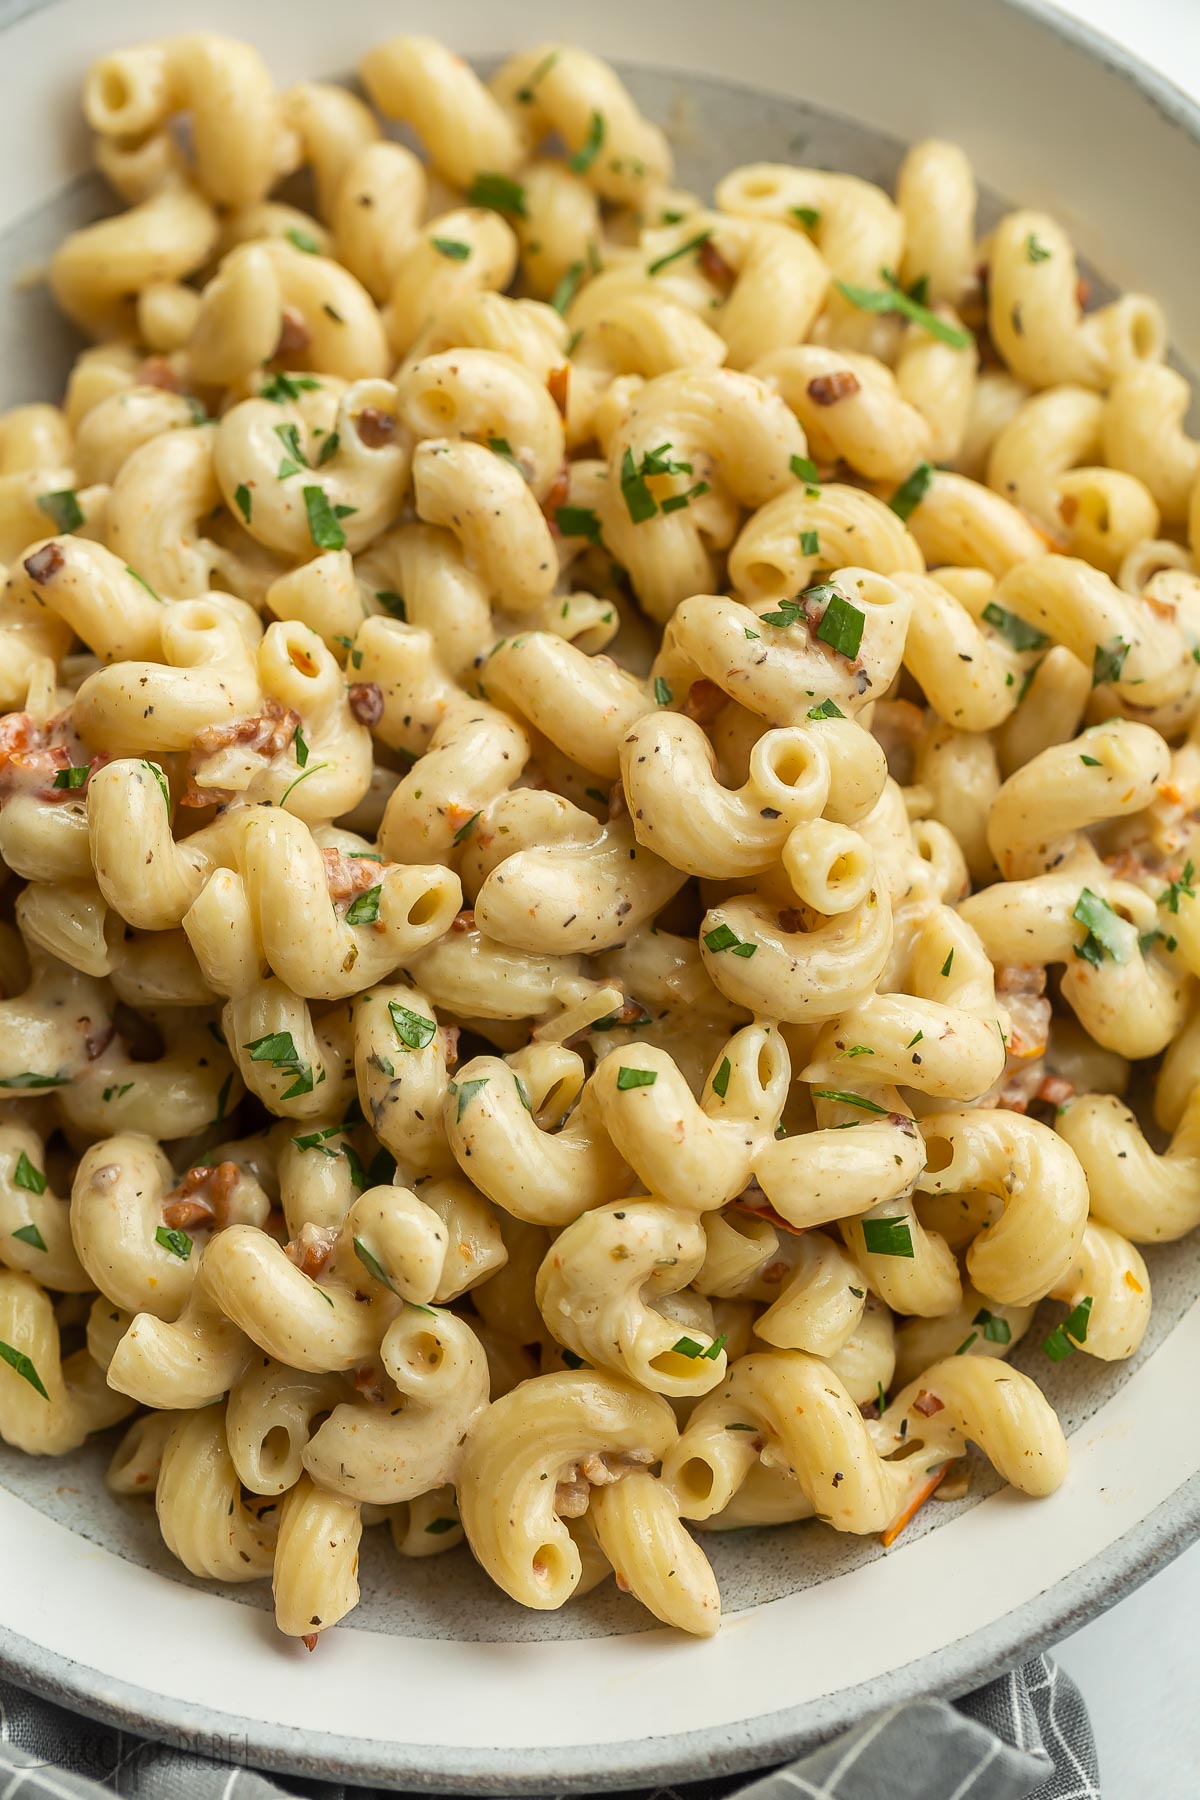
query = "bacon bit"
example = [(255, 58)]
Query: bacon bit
[(790, 919), (202, 1196), (464, 920), (714, 266), (1132, 1281), (347, 875), (268, 733), (774, 1273), (560, 493), (156, 372), (311, 1248), (914, 1506), (927, 1404), (827, 390), (1056, 1090), (44, 563), (765, 1210), (366, 702), (558, 383), (309, 1640), (375, 427), (294, 334), (96, 1042), (1068, 509), (458, 816), (1162, 608), (704, 702)]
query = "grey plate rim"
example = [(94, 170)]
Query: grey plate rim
[(683, 1756)]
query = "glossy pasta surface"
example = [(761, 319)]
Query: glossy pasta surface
[(598, 796)]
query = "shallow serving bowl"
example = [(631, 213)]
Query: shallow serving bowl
[(437, 1680)]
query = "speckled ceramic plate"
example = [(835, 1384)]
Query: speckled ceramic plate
[(437, 1681)]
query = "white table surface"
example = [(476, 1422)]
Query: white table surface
[(1138, 1666)]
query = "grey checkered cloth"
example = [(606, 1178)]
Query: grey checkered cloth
[(1023, 1737)]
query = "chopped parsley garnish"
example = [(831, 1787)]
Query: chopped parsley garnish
[(639, 501), (723, 937), (808, 216), (329, 449), (394, 604), (1020, 635), (849, 1100), (948, 964), (1036, 252), (687, 1346), (635, 1078), (589, 150), (966, 1344), (567, 288), (142, 582), (162, 782), (372, 1264), (62, 508), (662, 692), (177, 1242), (464, 831), (1065, 1337), (365, 909), (525, 94), (579, 521), (289, 437), (860, 1050), (452, 248), (1108, 660), (437, 1527), (995, 1329), (29, 1177), (1172, 895), (1105, 934), (120, 1092), (466, 1091), (316, 1140), (323, 527), (300, 745), (841, 627), (18, 1361), (72, 778), (499, 192), (893, 298), (29, 1234), (287, 387), (790, 613), (887, 1237), (810, 543), (29, 1079), (696, 243), (805, 469), (1092, 762), (914, 1040), (279, 1049), (413, 1029), (909, 495), (826, 710), (721, 1079), (241, 494), (303, 240)]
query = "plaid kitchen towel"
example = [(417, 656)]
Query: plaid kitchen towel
[(1024, 1737)]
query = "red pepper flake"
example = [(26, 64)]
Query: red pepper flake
[(1056, 1089), (557, 386), (827, 390)]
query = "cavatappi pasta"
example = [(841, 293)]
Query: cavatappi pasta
[(601, 795)]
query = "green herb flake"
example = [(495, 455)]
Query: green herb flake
[(809, 216), (888, 1237), (464, 831), (909, 495), (162, 783), (1035, 252), (499, 192), (413, 1029), (27, 1176), (893, 299), (177, 1242), (241, 494), (72, 778), (303, 240), (579, 521), (721, 1079), (966, 1344), (21, 1364), (365, 909), (142, 582), (841, 627), (452, 248), (805, 469), (300, 745), (662, 692), (1108, 660), (849, 1100), (860, 1050), (1176, 890), (1092, 762), (466, 1091), (826, 710), (639, 501), (525, 94), (323, 527), (1065, 1337), (439, 1527), (696, 243), (589, 150), (372, 1264), (28, 1079), (723, 937), (635, 1078), (995, 1329), (394, 604), (1106, 935), (287, 387), (289, 437), (566, 289), (1015, 630), (948, 964), (687, 1346), (29, 1234), (810, 543), (62, 508)]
